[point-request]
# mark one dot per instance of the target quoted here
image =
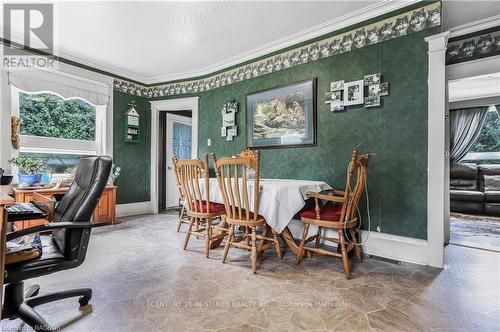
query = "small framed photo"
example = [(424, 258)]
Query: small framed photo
[(372, 101), (333, 96), (223, 131), (374, 90), (336, 106), (228, 119), (232, 131), (338, 85), (384, 89), (353, 93), (229, 138), (372, 79)]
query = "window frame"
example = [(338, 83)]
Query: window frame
[(39, 144), (492, 155)]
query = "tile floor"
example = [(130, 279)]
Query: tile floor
[(143, 281)]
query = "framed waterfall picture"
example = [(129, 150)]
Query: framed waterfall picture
[(282, 117)]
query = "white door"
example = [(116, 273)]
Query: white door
[(178, 144)]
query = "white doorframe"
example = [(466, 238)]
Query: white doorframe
[(180, 104), (436, 155)]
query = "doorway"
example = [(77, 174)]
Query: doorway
[(176, 139), (474, 184)]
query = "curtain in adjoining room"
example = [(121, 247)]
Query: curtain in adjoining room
[(465, 126)]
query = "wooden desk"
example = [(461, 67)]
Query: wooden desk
[(105, 211), (5, 200)]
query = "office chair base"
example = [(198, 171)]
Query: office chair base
[(19, 303)]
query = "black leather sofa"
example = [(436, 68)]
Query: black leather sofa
[(470, 193)]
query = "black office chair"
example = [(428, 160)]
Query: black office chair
[(64, 250)]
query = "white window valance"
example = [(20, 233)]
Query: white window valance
[(65, 85)]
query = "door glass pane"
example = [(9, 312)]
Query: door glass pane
[(181, 142)]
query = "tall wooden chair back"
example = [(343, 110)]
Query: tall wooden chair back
[(355, 184), (233, 177), (183, 217), (194, 180)]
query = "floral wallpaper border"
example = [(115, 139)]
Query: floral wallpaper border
[(482, 45), (394, 27)]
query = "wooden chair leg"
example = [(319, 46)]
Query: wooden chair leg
[(208, 236), (254, 250), (181, 216), (228, 243), (345, 257), (277, 245), (318, 239), (188, 234), (300, 251), (357, 247)]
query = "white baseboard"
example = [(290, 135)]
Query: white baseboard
[(400, 248), (131, 209)]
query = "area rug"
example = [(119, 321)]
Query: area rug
[(473, 231)]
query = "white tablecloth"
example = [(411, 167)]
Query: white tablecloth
[(280, 199)]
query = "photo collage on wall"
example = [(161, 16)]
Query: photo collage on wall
[(229, 128), (344, 94)]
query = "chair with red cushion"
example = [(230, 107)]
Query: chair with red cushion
[(339, 214), (194, 183)]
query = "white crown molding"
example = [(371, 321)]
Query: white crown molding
[(344, 21), (114, 71), (471, 27), (358, 16)]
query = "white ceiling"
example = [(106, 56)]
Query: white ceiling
[(160, 41)]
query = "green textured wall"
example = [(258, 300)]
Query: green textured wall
[(133, 158), (396, 132)]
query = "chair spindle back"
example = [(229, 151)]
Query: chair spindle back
[(233, 179), (192, 174)]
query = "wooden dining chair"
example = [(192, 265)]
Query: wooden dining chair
[(194, 180), (339, 214), (183, 216), (242, 206)]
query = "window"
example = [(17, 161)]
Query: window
[(59, 130), (487, 145)]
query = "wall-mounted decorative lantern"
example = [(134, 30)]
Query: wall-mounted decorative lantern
[(132, 124)]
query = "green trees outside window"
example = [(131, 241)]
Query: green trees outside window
[(48, 115)]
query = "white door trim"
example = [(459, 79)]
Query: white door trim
[(436, 155), (180, 104)]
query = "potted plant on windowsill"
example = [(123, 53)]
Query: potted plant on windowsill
[(30, 169)]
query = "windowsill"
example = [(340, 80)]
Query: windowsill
[(482, 156)]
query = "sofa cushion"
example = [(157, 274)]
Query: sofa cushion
[(466, 195), (464, 171), (492, 196), (491, 182), (485, 170)]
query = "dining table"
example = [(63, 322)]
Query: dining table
[(279, 202)]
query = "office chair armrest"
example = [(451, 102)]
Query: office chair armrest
[(47, 227)]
